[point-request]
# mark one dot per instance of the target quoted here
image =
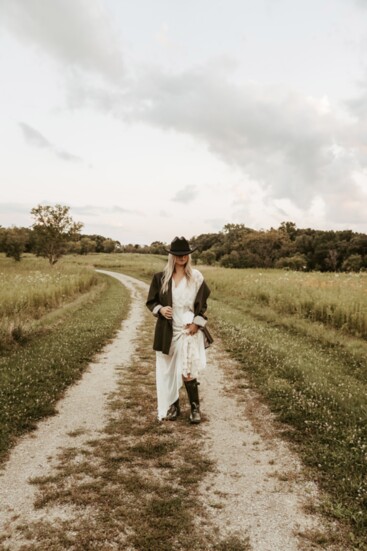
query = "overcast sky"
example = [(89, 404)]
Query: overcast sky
[(152, 119)]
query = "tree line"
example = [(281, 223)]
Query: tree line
[(287, 246), (54, 233)]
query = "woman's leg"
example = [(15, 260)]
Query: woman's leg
[(168, 384), (193, 394)]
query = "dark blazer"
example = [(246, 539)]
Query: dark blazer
[(163, 329)]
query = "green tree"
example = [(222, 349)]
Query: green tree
[(109, 246), (208, 257), (353, 263), (87, 245), (52, 230), (14, 241), (158, 247), (296, 262), (289, 228)]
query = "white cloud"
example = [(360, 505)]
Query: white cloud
[(77, 33), (94, 210), (279, 138), (35, 138), (295, 153), (186, 194), (296, 147)]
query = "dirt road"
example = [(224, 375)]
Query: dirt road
[(256, 489)]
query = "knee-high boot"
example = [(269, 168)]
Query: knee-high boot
[(193, 394), (173, 411)]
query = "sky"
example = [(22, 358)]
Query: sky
[(156, 119)]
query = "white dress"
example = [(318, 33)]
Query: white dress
[(187, 352)]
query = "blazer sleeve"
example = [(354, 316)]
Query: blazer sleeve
[(153, 302), (200, 305)]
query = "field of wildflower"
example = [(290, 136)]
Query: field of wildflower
[(301, 341), (63, 316), (335, 300), (32, 288)]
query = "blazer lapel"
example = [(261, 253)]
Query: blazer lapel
[(169, 293)]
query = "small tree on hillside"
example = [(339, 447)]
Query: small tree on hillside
[(53, 228), (14, 241), (353, 263), (109, 246)]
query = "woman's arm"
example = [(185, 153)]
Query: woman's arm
[(200, 305), (153, 295), (153, 302)]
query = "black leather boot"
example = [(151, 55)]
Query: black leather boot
[(193, 394), (173, 411)]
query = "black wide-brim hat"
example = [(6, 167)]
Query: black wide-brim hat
[(180, 247)]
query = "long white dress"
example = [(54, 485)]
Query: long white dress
[(187, 352)]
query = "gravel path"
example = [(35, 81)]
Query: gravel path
[(82, 410), (256, 488)]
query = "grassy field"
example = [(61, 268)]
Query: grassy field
[(136, 485), (62, 323), (32, 288), (335, 300), (301, 340)]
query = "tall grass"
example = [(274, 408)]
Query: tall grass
[(301, 340), (335, 300), (34, 376), (139, 265), (31, 288)]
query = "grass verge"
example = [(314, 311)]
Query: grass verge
[(32, 288), (34, 376), (318, 388), (313, 376), (133, 488)]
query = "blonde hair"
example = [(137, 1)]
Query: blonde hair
[(170, 268)]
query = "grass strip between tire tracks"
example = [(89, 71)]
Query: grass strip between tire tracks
[(315, 387), (315, 379), (135, 487), (34, 377)]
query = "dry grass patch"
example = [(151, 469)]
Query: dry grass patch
[(35, 375), (133, 488)]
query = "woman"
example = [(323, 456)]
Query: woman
[(177, 297)]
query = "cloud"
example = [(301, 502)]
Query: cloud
[(35, 138), (186, 194), (76, 33), (18, 214), (65, 156), (216, 224), (95, 210), (294, 146), (357, 105), (18, 208)]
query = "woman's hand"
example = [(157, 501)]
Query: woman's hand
[(192, 328), (166, 312)]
